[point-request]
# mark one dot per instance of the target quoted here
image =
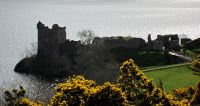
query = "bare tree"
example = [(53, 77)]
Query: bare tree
[(86, 36), (31, 52)]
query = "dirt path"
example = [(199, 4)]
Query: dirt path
[(165, 67), (178, 54)]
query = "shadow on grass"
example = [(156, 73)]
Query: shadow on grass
[(143, 58)]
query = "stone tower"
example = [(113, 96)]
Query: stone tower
[(49, 40)]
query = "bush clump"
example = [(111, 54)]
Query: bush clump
[(27, 102), (132, 88), (79, 91), (139, 89), (196, 64), (107, 94), (16, 97)]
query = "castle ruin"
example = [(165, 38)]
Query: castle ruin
[(49, 40), (52, 42), (115, 42), (170, 42)]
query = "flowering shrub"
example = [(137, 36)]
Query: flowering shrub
[(27, 102), (132, 88), (196, 64), (107, 95), (12, 96), (79, 91), (74, 92), (16, 97), (171, 100), (139, 89), (185, 97), (184, 93), (196, 97)]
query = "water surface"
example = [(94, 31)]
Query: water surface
[(137, 18)]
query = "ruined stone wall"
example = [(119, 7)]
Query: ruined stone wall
[(170, 42), (174, 45), (61, 35), (157, 45), (98, 42), (49, 40), (135, 43)]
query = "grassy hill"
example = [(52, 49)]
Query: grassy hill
[(176, 77)]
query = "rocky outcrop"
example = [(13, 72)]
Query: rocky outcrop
[(45, 66)]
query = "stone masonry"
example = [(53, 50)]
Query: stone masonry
[(49, 40)]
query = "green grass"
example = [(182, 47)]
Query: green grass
[(197, 51), (188, 53), (172, 78)]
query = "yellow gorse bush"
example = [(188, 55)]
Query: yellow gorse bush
[(16, 97), (107, 94), (196, 64), (139, 89), (196, 97), (73, 92), (132, 88), (79, 91), (27, 102)]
